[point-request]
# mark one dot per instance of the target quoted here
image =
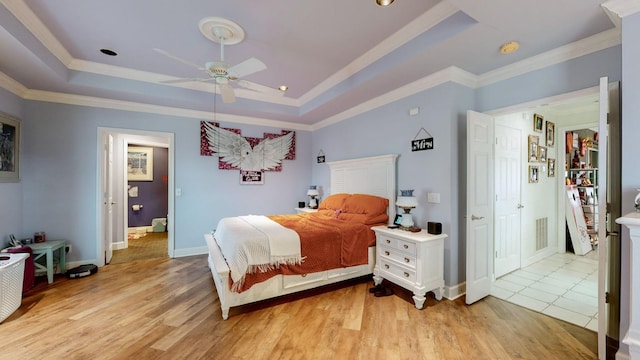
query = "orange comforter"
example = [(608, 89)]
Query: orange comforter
[(325, 243)]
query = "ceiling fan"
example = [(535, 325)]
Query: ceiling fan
[(224, 74)]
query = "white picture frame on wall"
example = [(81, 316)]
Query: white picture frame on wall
[(9, 148), (139, 163)]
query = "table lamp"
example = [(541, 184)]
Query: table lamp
[(406, 201), (313, 193)]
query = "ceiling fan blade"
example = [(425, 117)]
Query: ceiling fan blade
[(227, 93), (182, 80), (260, 88), (246, 67), (187, 62)]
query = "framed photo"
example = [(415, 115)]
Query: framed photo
[(139, 163), (534, 173), (551, 133), (538, 122), (251, 177), (542, 154), (397, 220), (9, 148), (533, 148), (551, 164)]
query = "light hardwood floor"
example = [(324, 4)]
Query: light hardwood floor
[(168, 309)]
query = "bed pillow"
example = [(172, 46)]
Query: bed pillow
[(365, 204), (333, 202), (364, 218)]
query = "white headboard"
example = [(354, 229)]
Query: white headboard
[(373, 175)]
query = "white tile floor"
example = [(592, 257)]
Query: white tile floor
[(564, 286)]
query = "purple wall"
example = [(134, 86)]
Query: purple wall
[(152, 195)]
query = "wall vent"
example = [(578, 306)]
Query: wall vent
[(542, 237)]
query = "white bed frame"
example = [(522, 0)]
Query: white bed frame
[(372, 175)]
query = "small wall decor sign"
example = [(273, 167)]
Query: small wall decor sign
[(422, 144), (320, 158)]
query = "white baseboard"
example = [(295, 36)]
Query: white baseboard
[(455, 291), (119, 245), (139, 229), (201, 250)]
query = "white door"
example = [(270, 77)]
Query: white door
[(508, 152), (603, 243), (479, 215), (108, 199)]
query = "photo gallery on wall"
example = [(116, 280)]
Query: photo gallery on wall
[(538, 150)]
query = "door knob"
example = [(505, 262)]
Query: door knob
[(473, 217)]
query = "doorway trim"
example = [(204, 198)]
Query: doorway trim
[(170, 137)]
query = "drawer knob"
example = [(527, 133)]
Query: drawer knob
[(406, 274), (406, 260), (406, 246), (388, 241), (386, 253), (304, 275), (387, 266)]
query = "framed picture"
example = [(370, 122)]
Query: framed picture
[(397, 220), (252, 177), (551, 133), (538, 122), (533, 148), (542, 154), (9, 148), (551, 164), (534, 173), (139, 163)]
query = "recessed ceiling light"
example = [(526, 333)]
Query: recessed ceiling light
[(283, 87), (384, 2), (108, 52), (509, 47)]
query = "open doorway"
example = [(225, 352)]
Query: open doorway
[(136, 201)]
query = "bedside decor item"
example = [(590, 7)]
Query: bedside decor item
[(434, 228), (313, 193), (406, 201)]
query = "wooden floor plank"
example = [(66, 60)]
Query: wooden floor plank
[(169, 309)]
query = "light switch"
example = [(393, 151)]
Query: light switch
[(433, 198), (178, 192)]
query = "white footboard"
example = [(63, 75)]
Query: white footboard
[(277, 285)]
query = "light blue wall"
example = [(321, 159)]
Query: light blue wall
[(389, 130), (60, 171), (10, 193)]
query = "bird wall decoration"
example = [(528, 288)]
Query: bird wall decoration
[(237, 152)]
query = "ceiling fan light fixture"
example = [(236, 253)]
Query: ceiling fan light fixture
[(384, 2), (509, 47)]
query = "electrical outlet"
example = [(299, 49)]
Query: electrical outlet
[(433, 198), (68, 248)]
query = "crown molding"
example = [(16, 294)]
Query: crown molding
[(597, 42), (450, 74), (23, 13), (12, 86), (429, 19), (90, 101), (622, 8)]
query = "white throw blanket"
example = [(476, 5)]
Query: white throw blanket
[(254, 242)]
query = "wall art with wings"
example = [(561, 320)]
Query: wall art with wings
[(247, 154)]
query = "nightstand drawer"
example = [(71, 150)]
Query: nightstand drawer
[(404, 246), (403, 258), (398, 271)]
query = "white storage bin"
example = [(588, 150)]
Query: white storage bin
[(11, 278), (159, 224)]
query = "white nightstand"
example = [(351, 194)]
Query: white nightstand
[(305, 210), (414, 261)]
